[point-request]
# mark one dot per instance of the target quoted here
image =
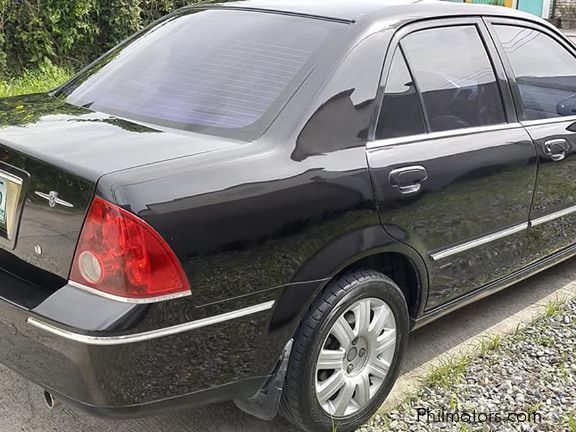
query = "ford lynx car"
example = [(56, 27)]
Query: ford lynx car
[(257, 201)]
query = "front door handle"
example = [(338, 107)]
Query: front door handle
[(408, 180), (556, 149)]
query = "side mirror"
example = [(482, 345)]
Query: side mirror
[(567, 107)]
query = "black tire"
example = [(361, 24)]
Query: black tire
[(299, 404)]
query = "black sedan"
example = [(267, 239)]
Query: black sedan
[(258, 200)]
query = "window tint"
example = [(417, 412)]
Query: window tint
[(214, 71), (400, 114), (456, 78), (545, 72)]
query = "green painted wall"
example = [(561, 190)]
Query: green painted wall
[(532, 6)]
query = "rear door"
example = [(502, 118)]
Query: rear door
[(452, 168), (542, 69)]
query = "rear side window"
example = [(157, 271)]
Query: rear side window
[(214, 71), (545, 72), (401, 114), (456, 78)]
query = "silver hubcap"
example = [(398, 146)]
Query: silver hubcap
[(355, 357)]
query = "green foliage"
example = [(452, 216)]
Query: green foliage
[(44, 79), (151, 10), (572, 423), (2, 53), (70, 33)]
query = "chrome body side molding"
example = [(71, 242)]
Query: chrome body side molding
[(552, 216), (501, 234), (153, 334), (478, 242), (127, 299)]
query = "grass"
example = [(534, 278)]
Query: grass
[(571, 423), (533, 409), (449, 372), (554, 308), (488, 344), (34, 81), (453, 371)]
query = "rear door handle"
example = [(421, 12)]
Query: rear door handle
[(556, 149), (408, 180)]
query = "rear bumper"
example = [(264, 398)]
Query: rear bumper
[(142, 373)]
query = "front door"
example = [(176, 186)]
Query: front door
[(453, 170), (542, 68)]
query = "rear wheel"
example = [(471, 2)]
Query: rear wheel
[(347, 353)]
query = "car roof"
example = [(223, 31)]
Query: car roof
[(348, 10), (353, 10)]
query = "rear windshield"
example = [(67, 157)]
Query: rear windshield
[(217, 71)]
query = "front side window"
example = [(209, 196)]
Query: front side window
[(401, 114), (545, 72), (456, 78), (222, 72)]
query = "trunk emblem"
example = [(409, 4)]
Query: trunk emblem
[(53, 199), (38, 249)]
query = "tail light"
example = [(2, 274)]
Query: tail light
[(121, 255)]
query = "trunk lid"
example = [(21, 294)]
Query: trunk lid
[(57, 152)]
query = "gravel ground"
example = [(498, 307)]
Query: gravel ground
[(524, 382)]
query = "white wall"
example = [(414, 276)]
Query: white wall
[(547, 9)]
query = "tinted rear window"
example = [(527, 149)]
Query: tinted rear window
[(214, 71), (454, 73), (545, 72), (401, 114)]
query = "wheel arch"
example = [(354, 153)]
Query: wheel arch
[(370, 247)]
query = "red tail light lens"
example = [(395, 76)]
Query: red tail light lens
[(121, 255)]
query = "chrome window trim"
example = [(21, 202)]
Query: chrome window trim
[(553, 216), (149, 335), (551, 120), (439, 135), (478, 242), (130, 300)]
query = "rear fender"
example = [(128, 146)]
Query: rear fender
[(336, 257)]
